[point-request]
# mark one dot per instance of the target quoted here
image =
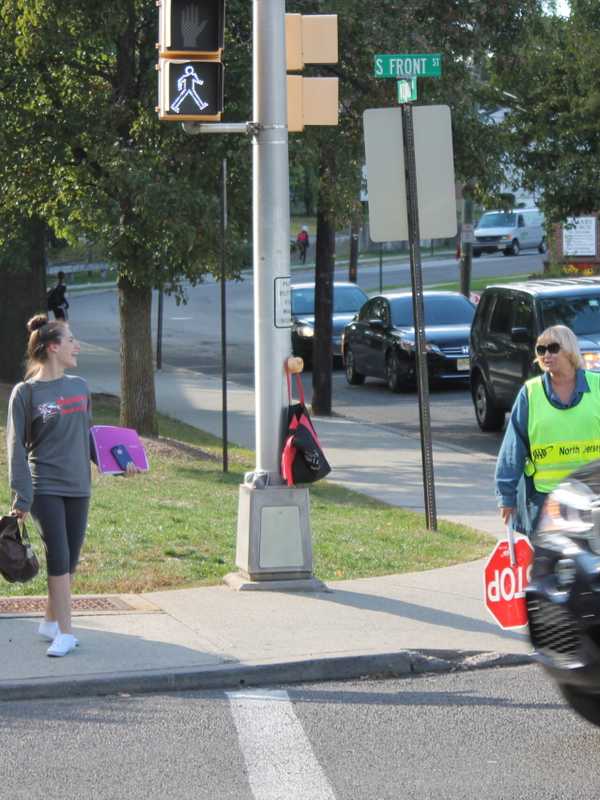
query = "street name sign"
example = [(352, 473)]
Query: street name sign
[(408, 65)]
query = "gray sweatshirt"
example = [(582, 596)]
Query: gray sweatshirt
[(59, 461)]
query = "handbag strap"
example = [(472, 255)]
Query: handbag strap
[(299, 387), (29, 417)]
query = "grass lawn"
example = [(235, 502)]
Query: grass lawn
[(477, 284), (176, 525)]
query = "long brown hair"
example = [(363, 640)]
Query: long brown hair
[(42, 333)]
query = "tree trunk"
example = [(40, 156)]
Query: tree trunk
[(354, 236), (23, 293), (324, 276), (138, 400)]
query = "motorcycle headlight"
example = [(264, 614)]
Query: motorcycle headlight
[(306, 331), (572, 510)]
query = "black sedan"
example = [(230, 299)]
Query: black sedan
[(380, 343), (563, 596), (347, 300)]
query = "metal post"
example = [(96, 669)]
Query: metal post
[(159, 328), (271, 227), (466, 247), (273, 544), (224, 315), (419, 315)]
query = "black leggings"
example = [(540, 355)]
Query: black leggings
[(61, 522)]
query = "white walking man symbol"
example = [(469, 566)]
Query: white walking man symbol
[(186, 85)]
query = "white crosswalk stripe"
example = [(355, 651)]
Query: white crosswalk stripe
[(280, 760)]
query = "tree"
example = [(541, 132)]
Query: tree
[(22, 277), (465, 33), (83, 83), (552, 88)]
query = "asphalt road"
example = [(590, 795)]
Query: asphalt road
[(191, 339), (491, 733)]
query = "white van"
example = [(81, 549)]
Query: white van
[(510, 232)]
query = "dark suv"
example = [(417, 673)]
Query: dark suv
[(507, 322)]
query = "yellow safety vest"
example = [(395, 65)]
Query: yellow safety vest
[(561, 440)]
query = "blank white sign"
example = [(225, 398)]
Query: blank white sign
[(386, 180)]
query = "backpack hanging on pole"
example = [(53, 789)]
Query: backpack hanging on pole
[(302, 459)]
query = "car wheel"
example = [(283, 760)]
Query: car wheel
[(476, 253), (515, 248), (489, 416), (353, 377), (542, 247), (395, 375), (587, 705)]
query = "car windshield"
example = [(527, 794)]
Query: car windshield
[(581, 314), (439, 310), (498, 219), (346, 300)]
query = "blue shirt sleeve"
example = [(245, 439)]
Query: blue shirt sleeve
[(513, 452)]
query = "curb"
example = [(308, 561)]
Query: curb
[(403, 663)]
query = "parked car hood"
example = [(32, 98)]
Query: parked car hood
[(492, 231), (591, 341), (442, 335)]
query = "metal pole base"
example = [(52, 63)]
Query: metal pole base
[(274, 541), (242, 583)]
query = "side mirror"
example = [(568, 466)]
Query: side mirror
[(520, 335)]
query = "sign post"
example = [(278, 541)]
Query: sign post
[(416, 278), (406, 68)]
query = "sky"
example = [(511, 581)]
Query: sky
[(562, 6)]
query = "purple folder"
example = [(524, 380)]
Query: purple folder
[(106, 436)]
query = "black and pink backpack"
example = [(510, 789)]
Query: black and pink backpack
[(302, 458)]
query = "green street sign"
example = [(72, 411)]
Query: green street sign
[(408, 65), (407, 90)]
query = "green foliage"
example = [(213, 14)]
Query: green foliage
[(83, 147), (467, 34), (554, 124)]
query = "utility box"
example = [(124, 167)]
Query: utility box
[(274, 540)]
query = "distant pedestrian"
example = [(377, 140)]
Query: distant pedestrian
[(559, 407), (303, 242), (51, 478), (56, 298)]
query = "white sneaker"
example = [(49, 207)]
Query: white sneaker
[(48, 630), (63, 643)]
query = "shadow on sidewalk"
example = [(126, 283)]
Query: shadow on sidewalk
[(417, 613), (119, 644)]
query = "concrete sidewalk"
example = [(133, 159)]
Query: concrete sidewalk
[(215, 637)]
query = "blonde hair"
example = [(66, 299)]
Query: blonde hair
[(567, 341)]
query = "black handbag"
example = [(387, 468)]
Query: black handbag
[(18, 562)]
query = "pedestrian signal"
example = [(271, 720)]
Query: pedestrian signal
[(190, 90), (191, 28)]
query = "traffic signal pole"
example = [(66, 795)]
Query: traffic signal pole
[(274, 541), (271, 229)]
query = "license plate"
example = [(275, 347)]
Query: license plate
[(463, 364)]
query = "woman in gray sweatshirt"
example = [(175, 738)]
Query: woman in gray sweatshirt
[(50, 476)]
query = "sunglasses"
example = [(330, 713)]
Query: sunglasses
[(552, 348)]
